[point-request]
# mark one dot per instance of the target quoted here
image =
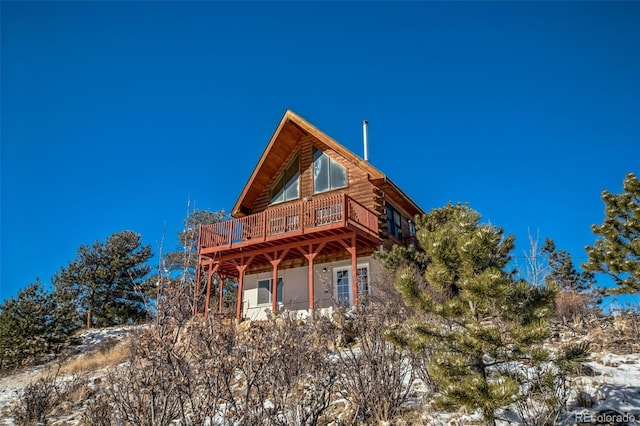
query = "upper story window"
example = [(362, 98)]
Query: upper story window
[(394, 222), (287, 186), (327, 173)]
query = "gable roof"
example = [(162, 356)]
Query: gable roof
[(284, 140)]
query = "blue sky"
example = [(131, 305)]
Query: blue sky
[(115, 114)]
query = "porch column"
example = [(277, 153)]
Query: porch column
[(351, 248), (241, 270), (275, 260), (197, 287), (274, 286), (311, 285), (310, 255), (212, 270), (354, 273), (221, 291)]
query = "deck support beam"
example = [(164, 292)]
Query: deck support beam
[(221, 291), (350, 246), (310, 254), (196, 295), (212, 270), (275, 260), (244, 263)]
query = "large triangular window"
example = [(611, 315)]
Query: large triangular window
[(327, 173), (287, 186)]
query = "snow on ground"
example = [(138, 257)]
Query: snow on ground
[(11, 385), (10, 389), (612, 385), (94, 338)]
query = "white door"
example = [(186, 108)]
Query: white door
[(343, 290), (342, 285)]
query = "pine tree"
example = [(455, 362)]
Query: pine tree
[(106, 281), (473, 314), (617, 251), (26, 329), (562, 272)]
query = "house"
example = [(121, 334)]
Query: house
[(304, 227)]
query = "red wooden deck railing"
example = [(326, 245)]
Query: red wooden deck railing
[(298, 218)]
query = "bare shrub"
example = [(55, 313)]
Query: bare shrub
[(375, 375), (41, 399), (175, 373), (99, 412), (573, 307), (269, 373), (617, 332), (282, 377), (37, 401)]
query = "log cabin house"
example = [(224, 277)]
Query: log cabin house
[(308, 219)]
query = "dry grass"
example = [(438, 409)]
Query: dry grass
[(95, 360), (619, 334)]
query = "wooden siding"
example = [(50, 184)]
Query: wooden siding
[(274, 158), (359, 188)]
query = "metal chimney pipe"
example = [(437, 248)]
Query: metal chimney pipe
[(365, 124)]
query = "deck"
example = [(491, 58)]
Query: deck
[(320, 216)]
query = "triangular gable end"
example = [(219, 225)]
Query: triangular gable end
[(284, 141)]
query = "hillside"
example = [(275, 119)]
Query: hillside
[(607, 385)]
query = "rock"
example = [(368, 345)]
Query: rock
[(244, 325), (587, 370), (584, 399)]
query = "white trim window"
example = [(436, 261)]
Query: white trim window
[(342, 288), (265, 291), (363, 279)]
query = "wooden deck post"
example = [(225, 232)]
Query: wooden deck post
[(354, 270), (197, 288), (275, 260), (241, 268), (310, 255), (274, 286), (311, 286), (351, 248), (221, 292), (212, 270)]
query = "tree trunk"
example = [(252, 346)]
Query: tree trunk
[(89, 316)]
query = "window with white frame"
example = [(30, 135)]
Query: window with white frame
[(265, 291), (343, 290), (343, 285), (363, 279)]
